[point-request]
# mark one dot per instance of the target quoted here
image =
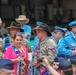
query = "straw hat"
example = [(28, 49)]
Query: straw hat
[(22, 17)]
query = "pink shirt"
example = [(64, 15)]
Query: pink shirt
[(10, 54)]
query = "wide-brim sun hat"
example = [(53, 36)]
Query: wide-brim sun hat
[(44, 27), (22, 17), (15, 24)]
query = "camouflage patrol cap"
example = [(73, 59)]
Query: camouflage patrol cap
[(44, 27)]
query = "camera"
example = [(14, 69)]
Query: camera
[(39, 60)]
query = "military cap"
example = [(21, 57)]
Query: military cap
[(64, 64), (15, 24), (65, 29), (72, 23), (6, 64), (56, 59), (59, 28), (44, 27), (38, 23)]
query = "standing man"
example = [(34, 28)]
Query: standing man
[(46, 46), (14, 28), (6, 67), (36, 40), (27, 29)]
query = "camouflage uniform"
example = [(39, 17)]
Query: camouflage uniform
[(48, 49), (1, 48), (26, 44), (1, 54)]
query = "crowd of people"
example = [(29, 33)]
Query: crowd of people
[(53, 53)]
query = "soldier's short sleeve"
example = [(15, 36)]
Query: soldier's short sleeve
[(52, 44), (1, 45), (51, 49), (26, 44), (1, 54)]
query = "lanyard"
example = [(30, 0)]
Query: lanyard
[(38, 48), (22, 65), (22, 51)]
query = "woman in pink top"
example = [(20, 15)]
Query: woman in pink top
[(19, 55)]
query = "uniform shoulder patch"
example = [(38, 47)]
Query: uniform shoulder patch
[(53, 50)]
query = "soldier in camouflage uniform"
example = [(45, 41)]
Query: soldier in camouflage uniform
[(46, 46), (14, 28)]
